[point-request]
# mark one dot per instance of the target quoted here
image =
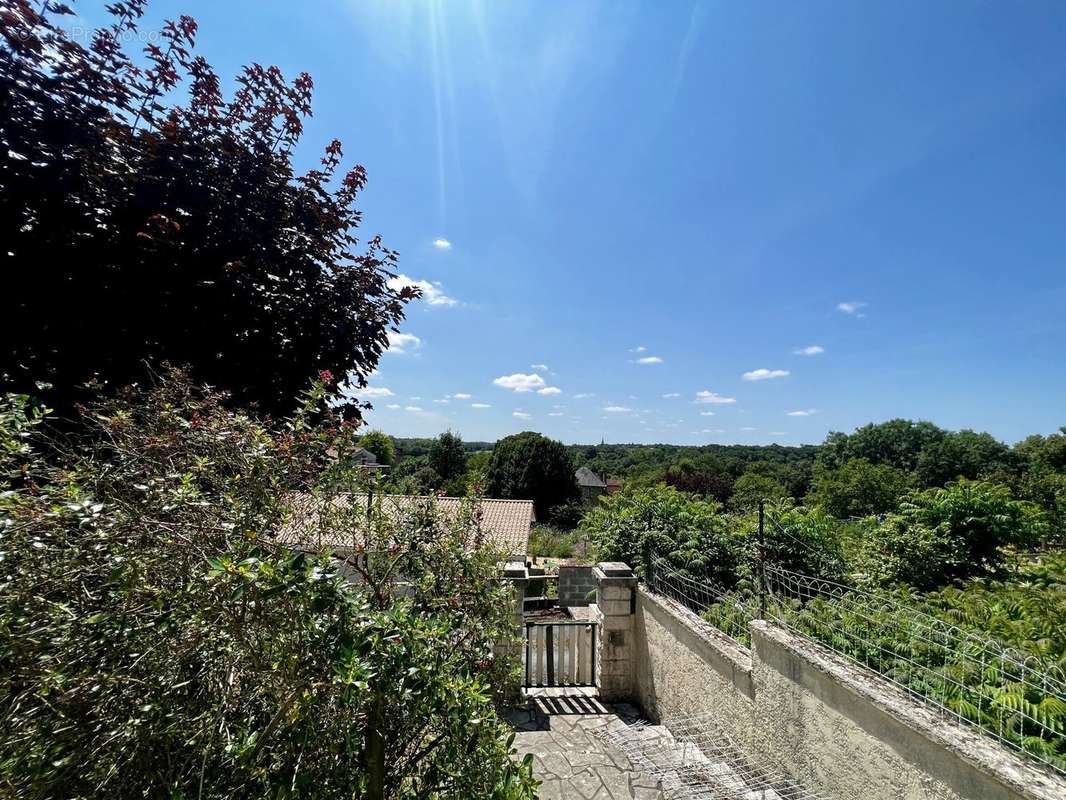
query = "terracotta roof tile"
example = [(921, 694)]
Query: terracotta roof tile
[(505, 523)]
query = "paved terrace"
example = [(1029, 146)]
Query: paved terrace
[(562, 730)]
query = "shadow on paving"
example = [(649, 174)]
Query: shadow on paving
[(569, 755)]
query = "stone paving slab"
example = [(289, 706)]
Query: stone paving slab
[(572, 760)]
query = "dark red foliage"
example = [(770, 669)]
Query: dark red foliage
[(140, 225), (718, 485)]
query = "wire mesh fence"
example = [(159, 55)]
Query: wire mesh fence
[(728, 611), (1009, 695), (1014, 697), (693, 759)]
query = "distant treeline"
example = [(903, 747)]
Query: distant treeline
[(413, 447), (634, 460), (626, 460), (849, 475)]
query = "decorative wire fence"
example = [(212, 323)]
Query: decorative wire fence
[(728, 611), (1009, 695), (1014, 697), (693, 759)]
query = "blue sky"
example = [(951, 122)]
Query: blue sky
[(715, 186)]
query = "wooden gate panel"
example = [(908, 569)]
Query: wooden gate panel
[(560, 654)]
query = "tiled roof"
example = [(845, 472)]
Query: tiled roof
[(504, 523)]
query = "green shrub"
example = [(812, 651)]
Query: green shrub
[(691, 533), (858, 488), (546, 541), (156, 641), (940, 536)]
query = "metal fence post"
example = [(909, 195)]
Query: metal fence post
[(761, 556), (649, 577)]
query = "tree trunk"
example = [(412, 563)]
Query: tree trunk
[(375, 750)]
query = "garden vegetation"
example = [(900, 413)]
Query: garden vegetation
[(156, 641)]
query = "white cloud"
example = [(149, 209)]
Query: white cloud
[(401, 343), (616, 409), (432, 292), (649, 360), (548, 391), (671, 395), (779, 433), (520, 382), (810, 350), (412, 408), (393, 406), (480, 405), (462, 396), (442, 244), (706, 413), (584, 395), (539, 367), (747, 428), (413, 398), (555, 413), (853, 307), (372, 392), (443, 401), (638, 349), (806, 412), (520, 414), (764, 374), (713, 398)]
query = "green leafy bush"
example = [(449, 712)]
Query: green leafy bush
[(751, 487), (858, 488), (939, 536), (546, 541), (691, 533), (156, 641)]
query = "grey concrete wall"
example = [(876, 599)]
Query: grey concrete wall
[(835, 727), (575, 583), (685, 666)]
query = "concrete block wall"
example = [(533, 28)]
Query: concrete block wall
[(837, 728), (575, 584)]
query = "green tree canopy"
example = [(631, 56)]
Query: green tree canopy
[(752, 487), (528, 466), (962, 454), (898, 443), (1044, 453), (858, 488), (380, 444), (448, 458), (138, 229), (691, 533), (945, 535)]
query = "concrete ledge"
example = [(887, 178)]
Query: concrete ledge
[(971, 764), (725, 656)]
